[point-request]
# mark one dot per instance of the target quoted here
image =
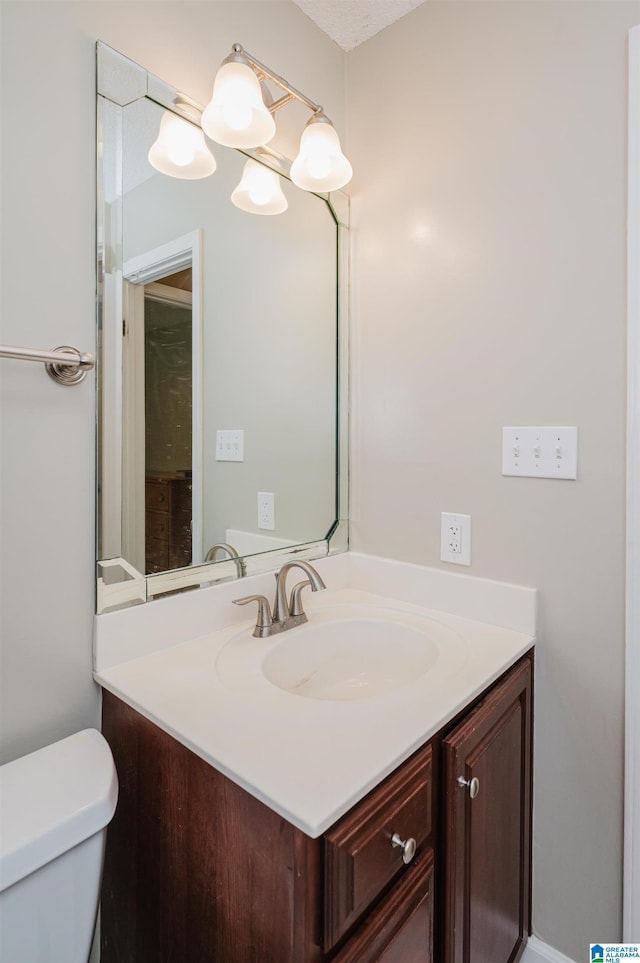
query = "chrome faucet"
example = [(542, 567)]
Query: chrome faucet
[(231, 552), (286, 615)]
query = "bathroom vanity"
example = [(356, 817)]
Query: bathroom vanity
[(266, 815), (357, 788), (433, 864)]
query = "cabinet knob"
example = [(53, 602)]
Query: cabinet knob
[(408, 847), (472, 784)]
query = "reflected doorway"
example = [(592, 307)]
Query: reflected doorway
[(161, 391), (168, 395)]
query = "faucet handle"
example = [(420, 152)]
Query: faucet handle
[(263, 623), (295, 605)]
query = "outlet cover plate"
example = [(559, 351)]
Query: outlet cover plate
[(455, 538), (267, 511)]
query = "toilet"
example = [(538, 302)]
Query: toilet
[(55, 805)]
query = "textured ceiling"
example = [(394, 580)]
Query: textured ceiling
[(351, 22)]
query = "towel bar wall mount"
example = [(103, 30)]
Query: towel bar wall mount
[(66, 365)]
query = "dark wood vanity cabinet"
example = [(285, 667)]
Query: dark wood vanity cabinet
[(199, 870), (487, 826)]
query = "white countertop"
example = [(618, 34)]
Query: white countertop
[(308, 759)]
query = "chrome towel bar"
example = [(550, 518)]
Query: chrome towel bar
[(64, 364)]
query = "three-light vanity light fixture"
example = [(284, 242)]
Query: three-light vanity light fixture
[(240, 114)]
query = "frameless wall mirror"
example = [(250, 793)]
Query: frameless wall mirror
[(222, 359)]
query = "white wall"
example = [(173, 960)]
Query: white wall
[(489, 277), (48, 291)]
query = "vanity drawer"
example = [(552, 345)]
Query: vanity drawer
[(359, 858), (401, 928)]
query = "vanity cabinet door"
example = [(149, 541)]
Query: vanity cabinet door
[(487, 780), (401, 929)]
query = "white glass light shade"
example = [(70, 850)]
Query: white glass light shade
[(259, 191), (180, 150), (236, 115), (320, 164)]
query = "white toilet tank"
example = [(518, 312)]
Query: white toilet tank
[(54, 808)]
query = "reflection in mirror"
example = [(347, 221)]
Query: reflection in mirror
[(219, 418), (166, 329), (161, 405)]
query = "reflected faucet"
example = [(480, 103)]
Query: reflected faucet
[(231, 552), (286, 615)]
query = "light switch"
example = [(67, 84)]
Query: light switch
[(540, 452), (230, 445)]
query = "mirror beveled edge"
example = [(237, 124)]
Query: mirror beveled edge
[(121, 81)]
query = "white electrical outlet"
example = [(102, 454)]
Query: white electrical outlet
[(266, 511), (230, 444), (455, 538)]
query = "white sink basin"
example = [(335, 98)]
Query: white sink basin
[(344, 653), (349, 659)]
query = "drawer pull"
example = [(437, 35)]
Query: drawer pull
[(473, 784), (408, 847)]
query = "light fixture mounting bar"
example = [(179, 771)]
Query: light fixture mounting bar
[(281, 102), (291, 93)]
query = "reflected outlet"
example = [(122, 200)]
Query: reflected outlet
[(266, 511)]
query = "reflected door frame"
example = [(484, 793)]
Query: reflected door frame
[(152, 266)]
